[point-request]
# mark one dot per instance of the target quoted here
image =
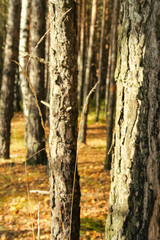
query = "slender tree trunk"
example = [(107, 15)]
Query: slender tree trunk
[(107, 82), (134, 205), (112, 89), (81, 54), (63, 121), (47, 74), (82, 138), (34, 130), (100, 62), (8, 76), (23, 47)]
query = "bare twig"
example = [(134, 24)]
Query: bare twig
[(46, 33), (45, 103), (49, 152), (26, 54), (39, 191)]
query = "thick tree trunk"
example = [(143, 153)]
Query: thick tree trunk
[(63, 121), (82, 137), (112, 89), (8, 76), (134, 205), (100, 62), (34, 130)]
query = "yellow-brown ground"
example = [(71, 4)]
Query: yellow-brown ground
[(19, 209)]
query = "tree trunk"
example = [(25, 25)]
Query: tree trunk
[(47, 70), (100, 62), (34, 130), (82, 137), (112, 89), (23, 47), (107, 81), (3, 17), (134, 205), (81, 56), (8, 76), (63, 121)]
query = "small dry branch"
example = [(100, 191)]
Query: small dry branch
[(39, 191)]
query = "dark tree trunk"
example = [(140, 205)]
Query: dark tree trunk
[(8, 76), (63, 121), (34, 130), (134, 205)]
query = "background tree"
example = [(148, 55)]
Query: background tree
[(3, 20), (88, 69), (112, 86), (23, 48), (100, 61), (63, 120), (8, 76), (81, 54), (134, 206), (34, 131)]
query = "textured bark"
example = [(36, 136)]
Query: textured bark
[(134, 205), (8, 76), (63, 120), (100, 62), (112, 89), (23, 47), (82, 137), (34, 130)]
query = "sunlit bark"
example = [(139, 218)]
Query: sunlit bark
[(134, 205), (63, 121)]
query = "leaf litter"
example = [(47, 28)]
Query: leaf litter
[(19, 209)]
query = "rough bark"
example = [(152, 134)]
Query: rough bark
[(34, 130), (82, 137), (100, 62), (112, 89), (63, 120), (8, 76), (134, 205)]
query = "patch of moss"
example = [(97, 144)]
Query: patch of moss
[(92, 224)]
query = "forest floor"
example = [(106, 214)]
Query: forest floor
[(19, 209)]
